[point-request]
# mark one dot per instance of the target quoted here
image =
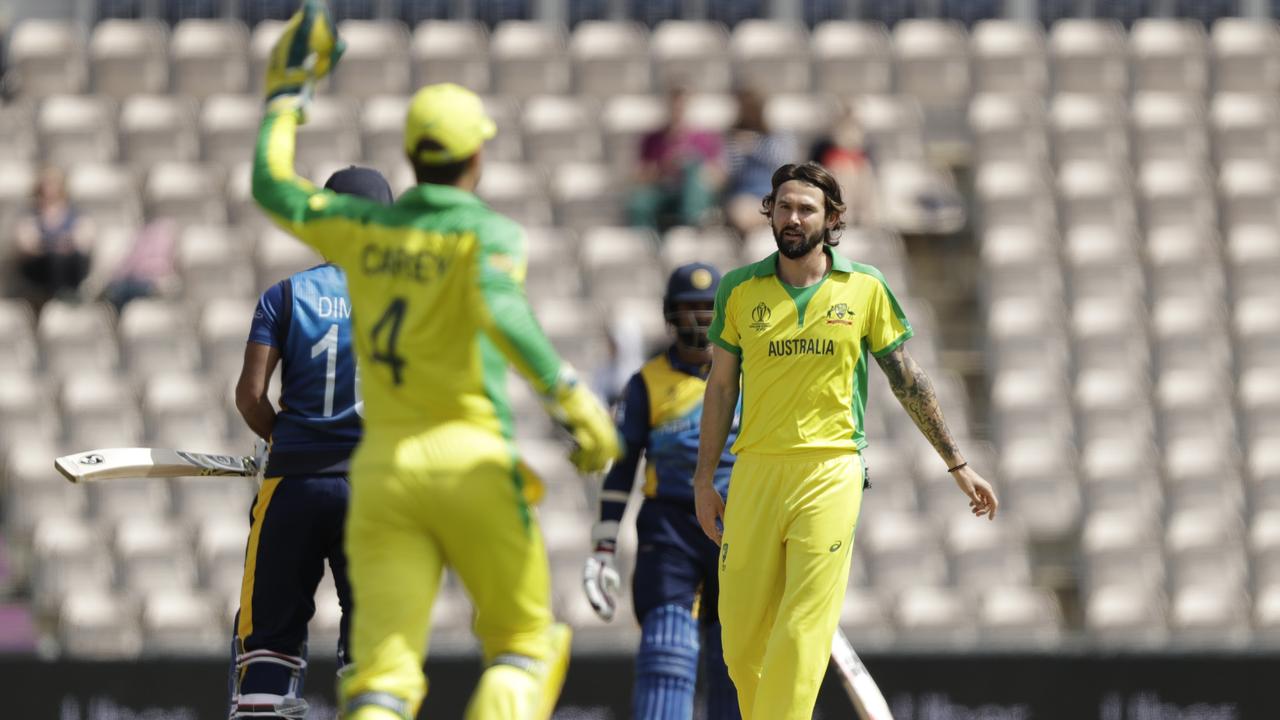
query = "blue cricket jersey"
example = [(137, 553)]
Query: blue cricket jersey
[(307, 317), (659, 419)]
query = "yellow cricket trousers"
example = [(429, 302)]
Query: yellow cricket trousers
[(784, 565), (447, 497)]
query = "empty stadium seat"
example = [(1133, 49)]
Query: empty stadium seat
[(1121, 615), (765, 56), (1185, 262), (691, 54), (1121, 472), (77, 338), (516, 191), (893, 125), (984, 554), (451, 51), (1256, 321), (1111, 402), (1194, 400), (155, 335), (1244, 126), (1169, 55), (129, 57), (382, 120), (229, 127), (220, 550), (1203, 470), (47, 57), (69, 558), (77, 128), (621, 262), (224, 329), (1247, 189), (187, 193), (852, 58), (1039, 485), (552, 267), (1017, 209), (1088, 56), (1258, 393), (560, 129), (1205, 546), (1266, 614), (1088, 127), (1102, 261), (935, 616), (209, 57), (17, 327), (262, 38), (1176, 193), (96, 625), (529, 58), (106, 193), (902, 552), (18, 146), (180, 622), (156, 128), (1019, 616), (803, 118), (179, 413), (331, 134), (1189, 333), (1029, 403), (931, 61), (1263, 466), (1008, 127), (376, 61), (1022, 333), (1120, 547), (152, 554), (1253, 258), (610, 58), (865, 618), (586, 195), (1246, 55), (35, 492), (1264, 546), (1169, 126), (1108, 332), (683, 245), (213, 263), (1009, 57)]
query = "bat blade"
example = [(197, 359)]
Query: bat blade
[(113, 463), (863, 692)]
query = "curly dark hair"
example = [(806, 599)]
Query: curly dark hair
[(813, 174)]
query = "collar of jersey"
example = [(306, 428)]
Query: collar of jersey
[(694, 370), (428, 195), (769, 265)]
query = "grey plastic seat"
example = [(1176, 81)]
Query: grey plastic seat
[(1121, 473), (624, 121), (1020, 617), (894, 125), (152, 554), (1113, 402), (1126, 616), (1009, 57), (69, 559), (180, 622), (1088, 56), (209, 57), (229, 127), (1094, 192), (1177, 193), (1185, 262), (931, 61), (516, 190), (1169, 126), (47, 57), (213, 263), (586, 195), (77, 338), (77, 128), (1008, 127), (765, 55), (621, 262), (1120, 546), (331, 134), (1169, 55), (1030, 403), (1247, 188), (984, 555), (129, 57), (1246, 55), (1086, 126), (852, 58), (180, 413), (529, 58), (1253, 259), (97, 625), (692, 54), (933, 616), (278, 255), (376, 61), (1244, 126), (560, 129), (865, 618), (902, 551), (451, 51), (156, 128), (1256, 322), (610, 58), (187, 193), (155, 335), (1040, 487)]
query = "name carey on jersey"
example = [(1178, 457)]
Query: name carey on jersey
[(801, 346)]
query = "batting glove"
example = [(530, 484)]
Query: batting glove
[(307, 50), (595, 438), (600, 576)]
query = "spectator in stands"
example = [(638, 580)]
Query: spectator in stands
[(680, 171), (53, 243), (148, 268), (844, 153), (753, 153)]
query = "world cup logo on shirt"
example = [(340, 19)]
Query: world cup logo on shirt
[(760, 314)]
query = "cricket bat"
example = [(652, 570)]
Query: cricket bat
[(867, 699), (113, 463)]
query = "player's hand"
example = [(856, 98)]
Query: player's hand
[(261, 451), (601, 582), (307, 50), (982, 498), (710, 507), (595, 438)]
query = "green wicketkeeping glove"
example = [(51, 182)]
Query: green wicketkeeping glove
[(306, 51), (594, 436)]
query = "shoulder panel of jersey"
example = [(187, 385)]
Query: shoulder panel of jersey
[(675, 417)]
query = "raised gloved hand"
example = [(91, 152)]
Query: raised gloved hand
[(599, 575), (307, 50), (580, 413)]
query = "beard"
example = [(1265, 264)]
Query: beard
[(794, 248)]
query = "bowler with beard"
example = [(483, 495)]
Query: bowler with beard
[(792, 335)]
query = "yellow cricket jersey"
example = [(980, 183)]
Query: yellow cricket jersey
[(436, 283), (804, 352)]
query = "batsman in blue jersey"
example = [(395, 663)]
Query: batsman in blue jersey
[(302, 323), (674, 589)]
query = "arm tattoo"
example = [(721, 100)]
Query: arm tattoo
[(913, 389)]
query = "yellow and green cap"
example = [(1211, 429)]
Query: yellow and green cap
[(451, 116)]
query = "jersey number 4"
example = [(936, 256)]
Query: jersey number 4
[(385, 337)]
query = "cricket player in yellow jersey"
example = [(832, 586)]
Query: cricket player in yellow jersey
[(793, 333), (436, 283)]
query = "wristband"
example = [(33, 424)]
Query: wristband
[(961, 465)]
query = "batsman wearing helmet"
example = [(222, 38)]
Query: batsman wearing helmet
[(302, 323), (674, 589), (436, 282)]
